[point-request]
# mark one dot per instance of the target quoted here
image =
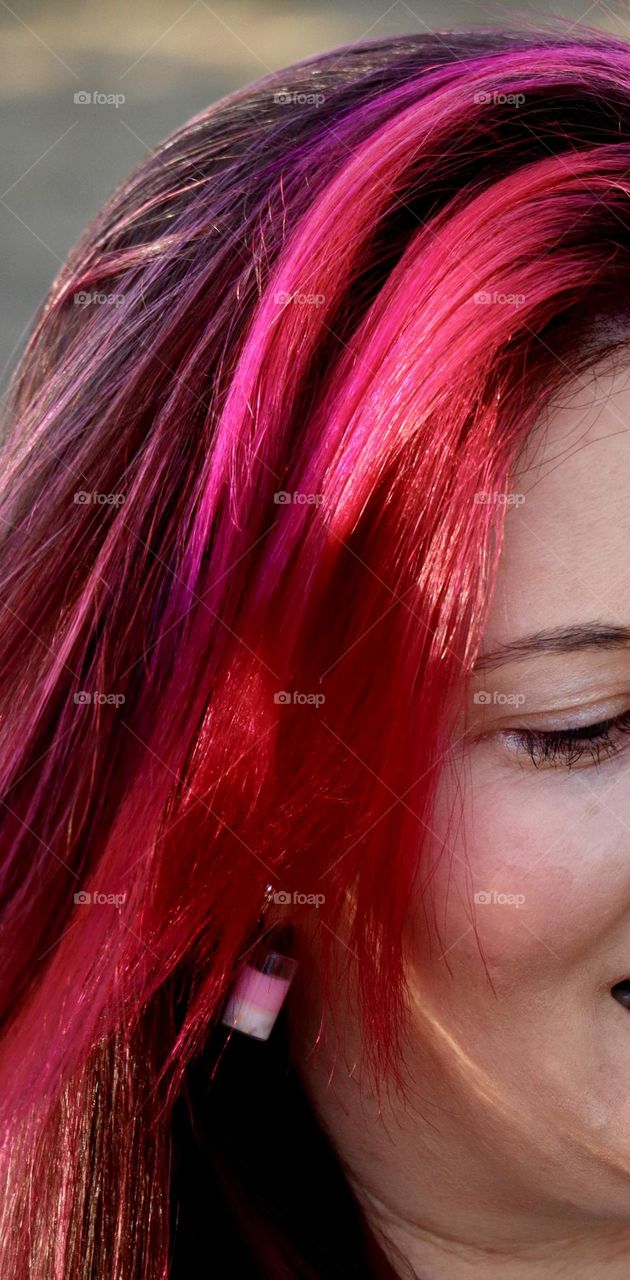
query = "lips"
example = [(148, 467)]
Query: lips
[(621, 992)]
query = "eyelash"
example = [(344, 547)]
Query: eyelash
[(567, 747)]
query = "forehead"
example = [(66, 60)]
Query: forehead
[(566, 557)]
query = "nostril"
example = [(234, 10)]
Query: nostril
[(621, 992)]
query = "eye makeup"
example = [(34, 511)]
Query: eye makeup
[(571, 746)]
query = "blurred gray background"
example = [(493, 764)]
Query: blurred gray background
[(169, 58)]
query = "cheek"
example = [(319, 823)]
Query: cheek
[(529, 869)]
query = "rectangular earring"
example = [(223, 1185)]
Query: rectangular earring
[(258, 995)]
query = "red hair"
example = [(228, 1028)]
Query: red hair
[(243, 460)]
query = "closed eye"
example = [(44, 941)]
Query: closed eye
[(590, 743)]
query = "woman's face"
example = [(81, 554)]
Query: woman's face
[(518, 1056)]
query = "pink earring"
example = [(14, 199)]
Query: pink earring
[(260, 990)]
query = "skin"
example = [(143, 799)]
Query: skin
[(510, 1155)]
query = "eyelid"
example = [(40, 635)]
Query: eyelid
[(572, 725), (568, 746), (494, 716)]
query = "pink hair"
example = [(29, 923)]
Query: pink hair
[(364, 301)]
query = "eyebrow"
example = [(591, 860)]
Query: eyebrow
[(590, 635)]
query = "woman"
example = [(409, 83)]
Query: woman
[(315, 652)]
